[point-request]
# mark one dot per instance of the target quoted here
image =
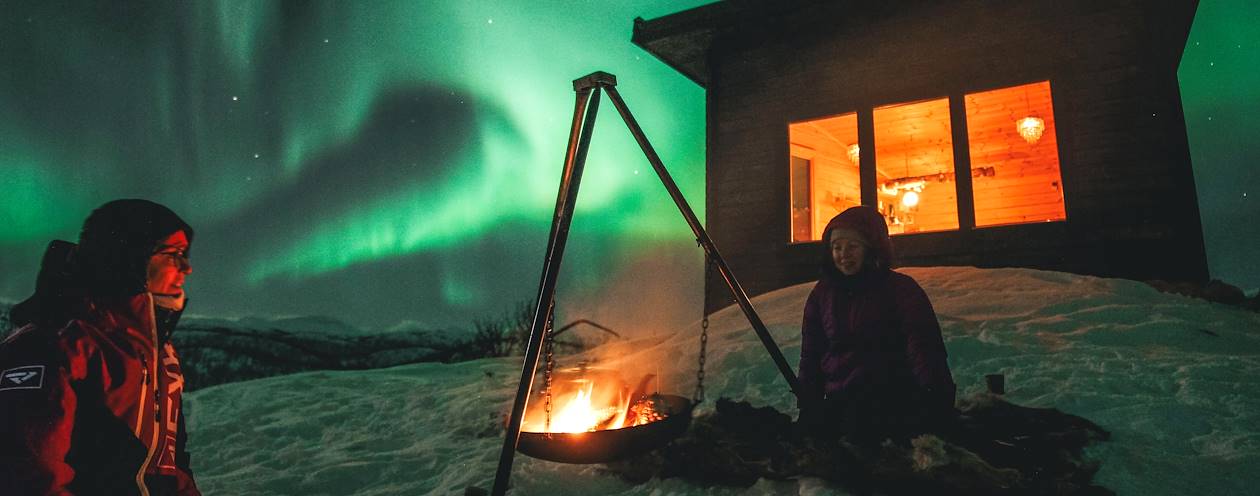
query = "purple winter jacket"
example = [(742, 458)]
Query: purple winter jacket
[(876, 331), (873, 332)]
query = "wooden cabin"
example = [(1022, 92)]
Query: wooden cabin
[(1042, 133)]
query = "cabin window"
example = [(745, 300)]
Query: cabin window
[(1014, 163), (914, 166), (1010, 134), (824, 173)]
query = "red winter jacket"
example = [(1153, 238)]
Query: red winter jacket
[(93, 407)]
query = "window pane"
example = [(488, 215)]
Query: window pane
[(1014, 156), (914, 164), (802, 221), (829, 148)]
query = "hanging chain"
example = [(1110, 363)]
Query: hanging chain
[(549, 348), (704, 336)]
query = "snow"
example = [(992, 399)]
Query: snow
[(1176, 380)]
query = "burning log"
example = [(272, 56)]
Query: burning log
[(593, 400), (596, 417)]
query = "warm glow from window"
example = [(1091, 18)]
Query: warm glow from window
[(823, 173), (1014, 164), (914, 164), (1015, 178)]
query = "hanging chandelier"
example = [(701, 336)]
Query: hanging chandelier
[(1031, 128), (910, 199), (854, 153)]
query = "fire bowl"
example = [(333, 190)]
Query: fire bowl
[(608, 445)]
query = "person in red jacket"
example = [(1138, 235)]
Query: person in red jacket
[(90, 385), (873, 363)]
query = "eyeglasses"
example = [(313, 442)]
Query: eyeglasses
[(179, 256)]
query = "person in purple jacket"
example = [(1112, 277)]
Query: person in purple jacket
[(873, 363)]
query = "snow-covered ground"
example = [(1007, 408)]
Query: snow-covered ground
[(1176, 380)]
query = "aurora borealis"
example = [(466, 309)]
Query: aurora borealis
[(397, 161), (1220, 94)]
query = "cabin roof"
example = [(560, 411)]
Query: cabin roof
[(683, 39)]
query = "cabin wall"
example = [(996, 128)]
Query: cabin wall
[(1129, 190)]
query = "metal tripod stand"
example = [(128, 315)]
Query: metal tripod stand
[(588, 89)]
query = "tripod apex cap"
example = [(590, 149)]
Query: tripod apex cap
[(594, 79)]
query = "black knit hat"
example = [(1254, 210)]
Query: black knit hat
[(110, 261), (116, 242)]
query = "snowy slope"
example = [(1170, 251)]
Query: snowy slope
[(1176, 381)]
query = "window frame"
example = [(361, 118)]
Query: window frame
[(960, 141)]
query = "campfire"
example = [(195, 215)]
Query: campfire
[(596, 417), (588, 400)]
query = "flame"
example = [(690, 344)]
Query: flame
[(582, 414), (578, 415)]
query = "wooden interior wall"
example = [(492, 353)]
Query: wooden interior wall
[(913, 140), (1027, 185), (835, 178)]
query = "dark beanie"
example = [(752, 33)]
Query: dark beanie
[(110, 261), (116, 242)]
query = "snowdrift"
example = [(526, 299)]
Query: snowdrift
[(1175, 380)]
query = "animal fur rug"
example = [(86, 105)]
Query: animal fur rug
[(994, 447)]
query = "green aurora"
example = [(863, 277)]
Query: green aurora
[(393, 161)]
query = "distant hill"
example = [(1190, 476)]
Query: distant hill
[(217, 351), (218, 354)]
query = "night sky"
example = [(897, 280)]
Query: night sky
[(386, 162)]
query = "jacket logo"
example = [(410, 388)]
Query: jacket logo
[(28, 377)]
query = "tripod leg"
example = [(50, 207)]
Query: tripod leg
[(701, 236), (566, 198)]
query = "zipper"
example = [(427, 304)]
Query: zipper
[(144, 490), (144, 390)]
